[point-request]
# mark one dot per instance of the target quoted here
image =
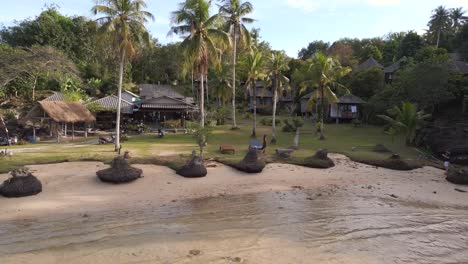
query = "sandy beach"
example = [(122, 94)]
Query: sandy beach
[(352, 213)]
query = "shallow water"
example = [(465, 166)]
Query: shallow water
[(276, 227)]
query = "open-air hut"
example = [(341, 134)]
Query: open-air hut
[(55, 116)]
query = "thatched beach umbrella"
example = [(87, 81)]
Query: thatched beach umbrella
[(119, 172), (21, 184)]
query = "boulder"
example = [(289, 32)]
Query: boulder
[(21, 184), (457, 175), (319, 160), (380, 148), (250, 163), (193, 169), (119, 172)]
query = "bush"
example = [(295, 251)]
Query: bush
[(173, 124), (269, 121), (265, 110), (291, 125)]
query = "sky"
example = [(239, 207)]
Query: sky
[(286, 24)]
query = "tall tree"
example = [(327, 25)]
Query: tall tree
[(201, 37), (440, 22), (276, 68), (457, 15), (235, 12), (326, 74), (29, 65), (124, 21), (255, 67), (410, 44), (312, 48)]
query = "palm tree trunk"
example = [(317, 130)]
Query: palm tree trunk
[(117, 123), (207, 91), (254, 130), (322, 115), (234, 58), (273, 124), (438, 38), (34, 89), (193, 88), (202, 99)]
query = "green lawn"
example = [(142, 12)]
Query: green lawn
[(173, 149)]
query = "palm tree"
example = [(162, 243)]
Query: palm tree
[(278, 64), (458, 18), (440, 21), (234, 11), (194, 23), (124, 21), (325, 75), (406, 119), (254, 65)]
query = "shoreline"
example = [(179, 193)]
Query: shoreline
[(162, 217)]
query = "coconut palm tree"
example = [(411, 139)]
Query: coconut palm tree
[(254, 65), (406, 119), (440, 21), (277, 66), (234, 12), (325, 75), (124, 21), (457, 15), (193, 22)]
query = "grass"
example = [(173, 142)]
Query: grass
[(174, 149)]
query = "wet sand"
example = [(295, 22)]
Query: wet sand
[(352, 213)]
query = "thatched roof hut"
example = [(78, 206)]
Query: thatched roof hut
[(60, 112), (56, 115)]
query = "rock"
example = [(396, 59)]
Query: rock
[(195, 252), (319, 160), (321, 154), (193, 169), (21, 184), (457, 175), (250, 163), (119, 172), (380, 148)]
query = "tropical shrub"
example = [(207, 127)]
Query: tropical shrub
[(291, 125)]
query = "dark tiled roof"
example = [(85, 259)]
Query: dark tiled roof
[(56, 97), (350, 99), (458, 64), (368, 64), (166, 102), (110, 102), (345, 99), (395, 67)]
